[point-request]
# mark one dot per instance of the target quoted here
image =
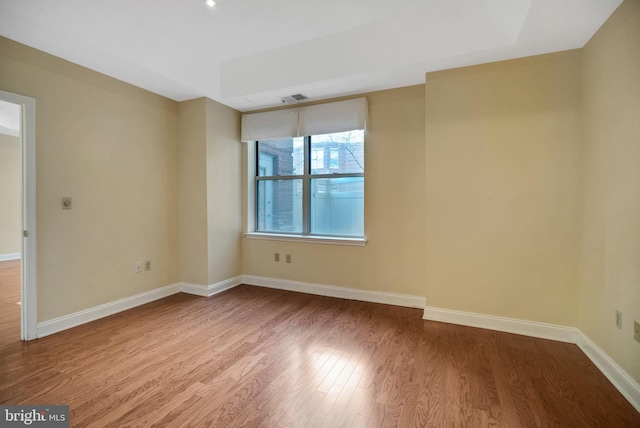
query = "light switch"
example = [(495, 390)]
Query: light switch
[(66, 202)]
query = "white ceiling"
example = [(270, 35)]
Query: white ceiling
[(10, 118), (248, 54)]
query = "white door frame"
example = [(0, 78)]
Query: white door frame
[(29, 306)]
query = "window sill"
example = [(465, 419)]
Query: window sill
[(354, 242)]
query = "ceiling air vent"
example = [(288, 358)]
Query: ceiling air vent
[(296, 98)]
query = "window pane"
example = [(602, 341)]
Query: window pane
[(338, 153), (334, 158), (337, 206), (279, 206), (317, 158), (281, 157)]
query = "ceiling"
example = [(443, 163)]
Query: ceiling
[(248, 54), (10, 119)]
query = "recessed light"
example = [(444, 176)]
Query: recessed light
[(210, 3)]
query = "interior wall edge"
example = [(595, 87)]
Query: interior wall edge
[(620, 379), (624, 383), (211, 289)]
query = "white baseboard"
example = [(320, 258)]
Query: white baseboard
[(73, 320), (340, 292), (10, 256), (507, 325), (628, 387), (56, 325), (208, 291)]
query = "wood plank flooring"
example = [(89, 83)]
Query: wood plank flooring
[(254, 357), (9, 301)]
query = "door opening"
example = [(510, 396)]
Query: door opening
[(26, 110)]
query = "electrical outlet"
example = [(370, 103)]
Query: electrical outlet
[(619, 319), (138, 267), (636, 331), (276, 257), (288, 258), (147, 265)]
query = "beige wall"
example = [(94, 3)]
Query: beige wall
[(193, 191), (112, 147), (224, 192), (610, 208), (137, 194), (502, 185), (10, 195), (393, 259), (210, 192)]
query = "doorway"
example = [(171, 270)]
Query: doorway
[(17, 120)]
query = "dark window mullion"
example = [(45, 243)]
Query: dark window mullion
[(336, 175), (279, 177), (306, 187)]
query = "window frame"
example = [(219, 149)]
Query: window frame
[(306, 177)]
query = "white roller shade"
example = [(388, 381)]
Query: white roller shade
[(333, 117), (269, 125), (317, 119)]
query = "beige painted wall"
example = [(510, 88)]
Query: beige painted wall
[(112, 147), (224, 192), (502, 184), (193, 191), (610, 209), (210, 192), (393, 259), (10, 195)]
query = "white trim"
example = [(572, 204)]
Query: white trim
[(624, 383), (508, 325), (249, 169), (29, 259), (10, 256), (73, 320), (627, 386), (356, 242), (29, 298), (208, 291), (334, 291)]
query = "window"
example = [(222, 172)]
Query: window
[(334, 158), (317, 158), (309, 172), (311, 185)]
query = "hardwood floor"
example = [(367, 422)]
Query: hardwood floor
[(9, 301), (255, 357)]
